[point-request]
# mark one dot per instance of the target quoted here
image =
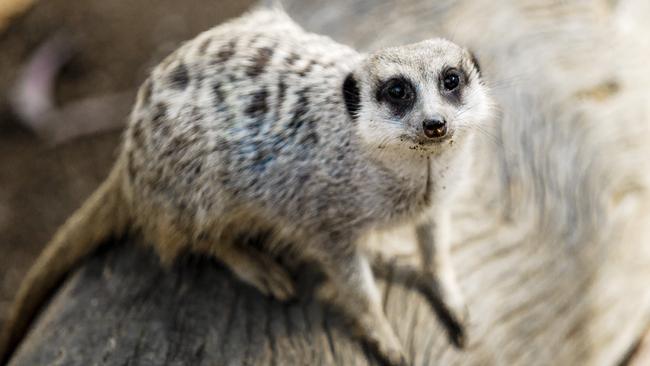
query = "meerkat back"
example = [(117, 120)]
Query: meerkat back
[(214, 112)]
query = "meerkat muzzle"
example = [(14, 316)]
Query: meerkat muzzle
[(434, 128)]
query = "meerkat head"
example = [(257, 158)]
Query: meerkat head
[(417, 97)]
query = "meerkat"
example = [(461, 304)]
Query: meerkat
[(257, 125)]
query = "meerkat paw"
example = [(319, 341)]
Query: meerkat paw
[(450, 305), (456, 325), (260, 271), (389, 351), (382, 340), (375, 330), (270, 278)]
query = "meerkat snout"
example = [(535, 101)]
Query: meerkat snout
[(435, 127)]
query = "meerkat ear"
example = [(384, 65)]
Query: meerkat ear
[(351, 95), (475, 62)]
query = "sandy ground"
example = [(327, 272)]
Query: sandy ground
[(114, 44)]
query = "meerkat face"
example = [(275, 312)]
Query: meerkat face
[(421, 97)]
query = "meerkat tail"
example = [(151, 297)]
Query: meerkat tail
[(102, 215)]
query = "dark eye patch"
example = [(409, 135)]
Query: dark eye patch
[(452, 82), (398, 93)]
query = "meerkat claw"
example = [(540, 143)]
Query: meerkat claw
[(456, 333), (392, 357), (260, 271), (455, 321), (389, 350), (451, 310)]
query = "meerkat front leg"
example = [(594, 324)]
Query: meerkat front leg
[(352, 288), (258, 270), (439, 276)]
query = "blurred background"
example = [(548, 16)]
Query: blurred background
[(565, 215), (87, 58)]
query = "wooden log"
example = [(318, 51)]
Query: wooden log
[(122, 308), (550, 237)]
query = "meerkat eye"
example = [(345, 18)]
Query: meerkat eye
[(398, 91), (451, 80)]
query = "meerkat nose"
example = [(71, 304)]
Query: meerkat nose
[(434, 127)]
